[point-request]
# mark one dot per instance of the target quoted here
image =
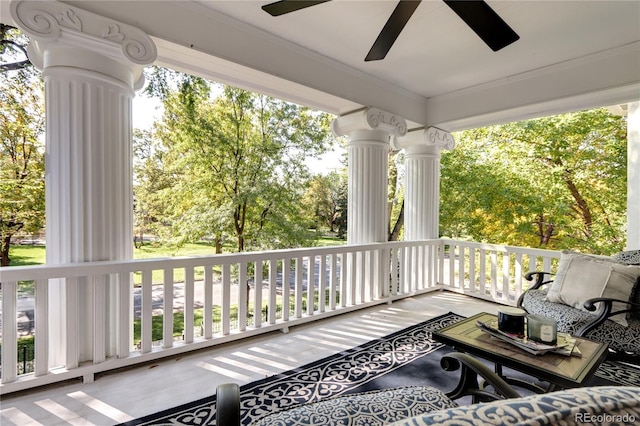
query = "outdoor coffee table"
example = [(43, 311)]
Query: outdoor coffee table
[(558, 370)]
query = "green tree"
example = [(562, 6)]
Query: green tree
[(395, 198), (21, 155), (150, 180), (237, 160), (322, 199), (556, 182)]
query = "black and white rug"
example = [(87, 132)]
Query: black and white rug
[(407, 357)]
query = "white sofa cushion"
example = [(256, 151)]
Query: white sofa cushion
[(580, 277)]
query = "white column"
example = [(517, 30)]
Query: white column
[(369, 133), (422, 181), (91, 66), (633, 176)]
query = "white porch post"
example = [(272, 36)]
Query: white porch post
[(369, 133), (91, 66), (633, 176), (422, 181)]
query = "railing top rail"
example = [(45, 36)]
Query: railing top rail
[(503, 248), (19, 273)]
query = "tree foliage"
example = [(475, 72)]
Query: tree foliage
[(556, 182), (323, 200), (234, 164), (21, 155)]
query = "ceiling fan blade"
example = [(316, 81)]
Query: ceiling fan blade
[(485, 22), (287, 6), (392, 29)]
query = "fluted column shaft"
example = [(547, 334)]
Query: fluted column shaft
[(367, 195), (422, 193), (369, 133), (89, 166), (91, 66), (422, 181)]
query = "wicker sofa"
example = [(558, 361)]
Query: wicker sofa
[(596, 297), (424, 405)]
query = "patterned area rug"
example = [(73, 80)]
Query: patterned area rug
[(407, 357)]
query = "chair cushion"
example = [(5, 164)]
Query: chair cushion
[(580, 277), (630, 257), (592, 405), (570, 320), (369, 408)]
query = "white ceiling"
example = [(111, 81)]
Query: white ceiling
[(437, 53), (571, 55)]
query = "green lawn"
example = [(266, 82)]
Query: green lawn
[(35, 255), (27, 255)]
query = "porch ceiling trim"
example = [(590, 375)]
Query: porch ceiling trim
[(195, 38)]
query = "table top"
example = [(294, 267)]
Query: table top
[(564, 371)]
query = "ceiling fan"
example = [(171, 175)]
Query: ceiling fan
[(477, 14)]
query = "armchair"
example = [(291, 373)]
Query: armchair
[(593, 297), (424, 405), (377, 407)]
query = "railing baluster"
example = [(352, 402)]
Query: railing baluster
[(207, 317), (189, 293), (322, 283), (360, 274), (394, 271), (273, 290), (243, 296), (286, 288), (9, 331), (72, 349), (452, 265), (299, 290), (146, 315), (494, 274), (344, 289), (225, 312), (99, 285), (42, 330), (257, 303), (518, 275), (333, 281), (462, 257), (167, 324), (506, 262), (472, 270), (404, 271), (311, 282), (123, 311)]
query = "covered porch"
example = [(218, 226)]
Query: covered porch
[(131, 393), (92, 54)]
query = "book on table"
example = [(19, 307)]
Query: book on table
[(565, 344)]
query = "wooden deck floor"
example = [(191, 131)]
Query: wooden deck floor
[(125, 395)]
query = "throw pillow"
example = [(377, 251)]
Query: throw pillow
[(581, 277), (630, 257)]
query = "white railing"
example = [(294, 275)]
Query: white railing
[(490, 271), (84, 316)]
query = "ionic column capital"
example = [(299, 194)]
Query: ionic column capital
[(425, 140), (369, 119), (78, 37)]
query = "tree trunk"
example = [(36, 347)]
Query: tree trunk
[(5, 260), (239, 217), (545, 230), (395, 233), (582, 207)]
